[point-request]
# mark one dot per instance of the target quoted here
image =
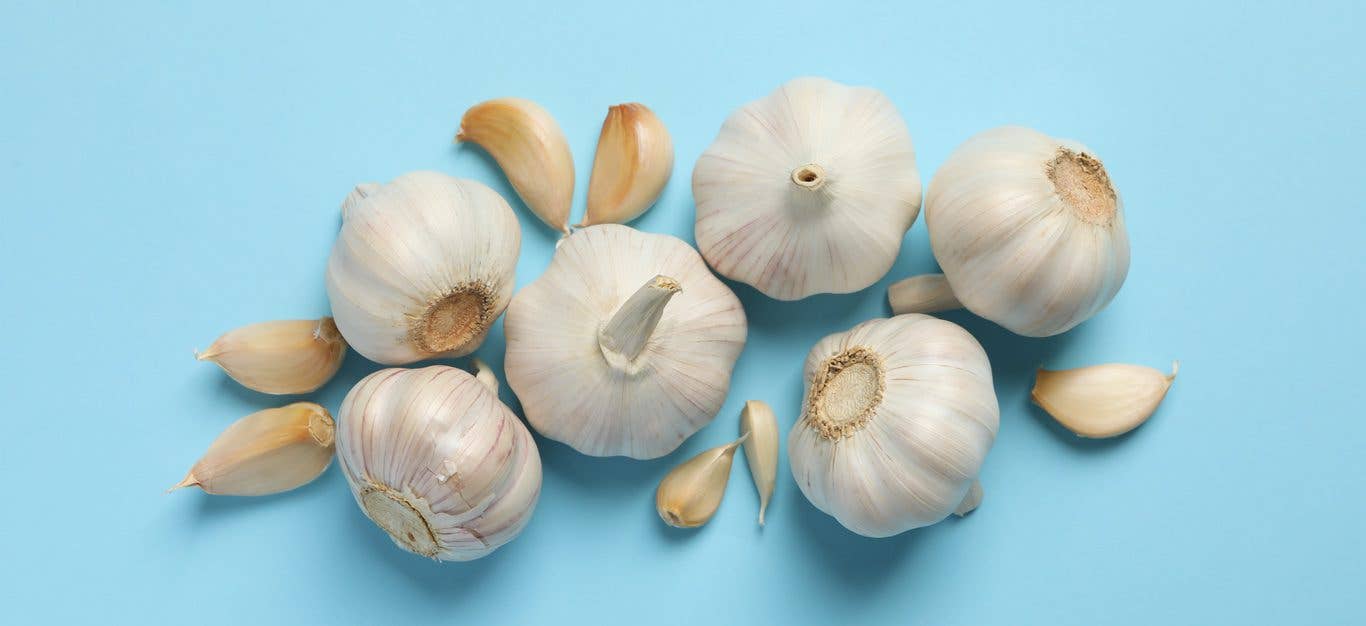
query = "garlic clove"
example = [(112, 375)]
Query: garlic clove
[(634, 160), (690, 494), (266, 452), (1102, 400), (761, 449), (971, 501), (531, 149), (295, 356), (927, 293)]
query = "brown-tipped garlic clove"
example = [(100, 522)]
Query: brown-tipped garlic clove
[(970, 501), (634, 160), (1102, 400), (266, 452), (761, 449), (926, 293), (294, 356), (532, 150), (690, 494)]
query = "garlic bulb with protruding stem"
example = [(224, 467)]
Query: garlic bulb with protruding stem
[(422, 267), (532, 151), (280, 357), (1029, 232), (266, 452), (898, 417), (809, 190), (634, 160), (437, 461), (625, 345)]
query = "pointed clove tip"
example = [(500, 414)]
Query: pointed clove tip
[(1176, 367), (188, 481)]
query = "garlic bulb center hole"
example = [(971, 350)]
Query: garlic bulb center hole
[(810, 176), (453, 320), (1083, 184), (846, 392), (401, 519)]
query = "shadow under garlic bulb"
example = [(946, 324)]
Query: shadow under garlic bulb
[(899, 415)]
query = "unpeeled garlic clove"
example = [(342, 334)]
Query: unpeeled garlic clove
[(927, 293), (971, 501), (532, 150), (295, 356), (634, 160), (1102, 400), (761, 449), (266, 452), (689, 495), (484, 374)]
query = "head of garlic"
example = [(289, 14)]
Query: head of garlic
[(437, 461), (899, 415), (1029, 230), (624, 347), (422, 267), (809, 190)]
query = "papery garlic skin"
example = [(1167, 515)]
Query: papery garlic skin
[(625, 345), (690, 493), (437, 461), (926, 293), (1102, 400), (280, 357), (422, 267), (899, 416), (809, 190), (971, 501), (759, 427), (531, 149), (266, 452), (1029, 230), (634, 160)]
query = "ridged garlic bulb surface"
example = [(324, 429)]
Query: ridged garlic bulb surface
[(625, 346), (422, 267), (809, 190), (1029, 230), (437, 461), (899, 415)]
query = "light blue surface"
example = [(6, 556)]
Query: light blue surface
[(174, 171)]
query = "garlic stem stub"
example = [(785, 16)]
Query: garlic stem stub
[(690, 494), (809, 190), (634, 160), (899, 415), (1028, 229), (759, 428), (266, 452), (438, 462), (280, 357), (625, 345), (422, 267), (1102, 400), (531, 149)]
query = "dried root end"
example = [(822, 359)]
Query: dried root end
[(402, 518), (1082, 182), (846, 393), (454, 320)]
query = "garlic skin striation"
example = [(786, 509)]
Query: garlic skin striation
[(898, 417), (531, 149), (437, 461), (690, 494), (281, 357), (809, 190), (759, 428), (266, 452), (634, 160), (1102, 400), (422, 267), (1028, 229), (625, 345)]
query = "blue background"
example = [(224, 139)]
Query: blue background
[(174, 170)]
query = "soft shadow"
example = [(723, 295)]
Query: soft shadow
[(600, 473), (857, 562), (819, 314)]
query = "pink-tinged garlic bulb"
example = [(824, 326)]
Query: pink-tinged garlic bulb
[(437, 461), (625, 346), (898, 417), (809, 190)]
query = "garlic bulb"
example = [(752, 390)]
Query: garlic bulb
[(899, 415), (809, 190), (422, 267), (532, 150), (625, 345), (295, 356), (690, 494), (1102, 400), (1028, 229), (634, 160), (266, 452), (437, 461), (759, 427)]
